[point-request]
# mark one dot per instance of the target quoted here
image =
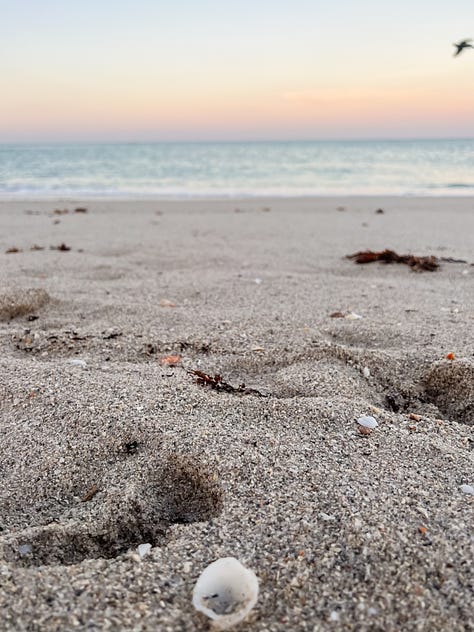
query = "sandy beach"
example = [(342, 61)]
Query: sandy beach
[(107, 443)]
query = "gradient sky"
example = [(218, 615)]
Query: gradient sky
[(128, 70)]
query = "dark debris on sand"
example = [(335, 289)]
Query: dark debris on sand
[(417, 264), (217, 383)]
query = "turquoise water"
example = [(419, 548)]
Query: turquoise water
[(179, 170)]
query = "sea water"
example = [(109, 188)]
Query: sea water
[(237, 169)]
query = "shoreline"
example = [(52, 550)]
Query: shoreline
[(73, 199)]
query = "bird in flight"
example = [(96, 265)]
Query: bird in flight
[(460, 46)]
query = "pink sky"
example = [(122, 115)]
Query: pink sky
[(142, 72)]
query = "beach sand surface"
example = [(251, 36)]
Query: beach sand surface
[(106, 446)]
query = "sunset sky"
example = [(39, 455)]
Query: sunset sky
[(127, 70)]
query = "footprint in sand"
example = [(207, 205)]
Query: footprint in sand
[(119, 518)]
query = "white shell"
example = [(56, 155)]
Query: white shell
[(78, 362), (226, 591), (467, 489), (367, 421), (143, 549)]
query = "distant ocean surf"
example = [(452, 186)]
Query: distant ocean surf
[(181, 170)]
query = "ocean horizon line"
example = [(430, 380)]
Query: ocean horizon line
[(381, 139)]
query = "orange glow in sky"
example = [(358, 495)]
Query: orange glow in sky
[(135, 71)]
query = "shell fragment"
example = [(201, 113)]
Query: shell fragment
[(368, 422), (226, 591)]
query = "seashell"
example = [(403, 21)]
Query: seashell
[(226, 591), (78, 362), (367, 422), (143, 549), (467, 489)]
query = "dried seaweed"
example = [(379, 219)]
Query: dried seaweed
[(451, 260), (217, 383), (61, 248), (12, 250), (417, 264)]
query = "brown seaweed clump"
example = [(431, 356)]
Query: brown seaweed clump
[(416, 263)]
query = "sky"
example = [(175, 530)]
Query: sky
[(149, 70)]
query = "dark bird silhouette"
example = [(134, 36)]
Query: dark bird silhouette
[(460, 46)]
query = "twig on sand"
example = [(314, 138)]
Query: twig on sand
[(89, 495)]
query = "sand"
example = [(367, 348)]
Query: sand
[(104, 448)]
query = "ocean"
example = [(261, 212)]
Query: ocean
[(237, 169)]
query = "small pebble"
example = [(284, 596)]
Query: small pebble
[(366, 372), (165, 302), (24, 549), (143, 549), (467, 489)]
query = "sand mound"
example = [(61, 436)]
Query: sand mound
[(450, 385), (16, 303)]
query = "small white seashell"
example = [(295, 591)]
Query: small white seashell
[(366, 372), (24, 549), (352, 316), (226, 591), (77, 362), (467, 489), (367, 421), (334, 616), (143, 549), (258, 281)]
